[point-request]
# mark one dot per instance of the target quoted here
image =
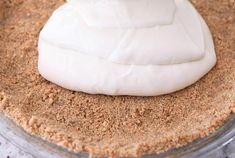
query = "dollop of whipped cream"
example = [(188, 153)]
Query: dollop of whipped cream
[(122, 47)]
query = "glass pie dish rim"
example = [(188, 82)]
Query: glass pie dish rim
[(40, 148)]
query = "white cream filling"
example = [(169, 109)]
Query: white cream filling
[(121, 60), (125, 13), (180, 42)]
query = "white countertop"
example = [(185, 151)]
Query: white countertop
[(8, 150)]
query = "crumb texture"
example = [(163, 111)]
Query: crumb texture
[(105, 125)]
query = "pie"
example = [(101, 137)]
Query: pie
[(111, 125)]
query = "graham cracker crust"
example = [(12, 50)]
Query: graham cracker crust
[(106, 125)]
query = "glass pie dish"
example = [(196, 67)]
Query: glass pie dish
[(31, 17), (40, 148)]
